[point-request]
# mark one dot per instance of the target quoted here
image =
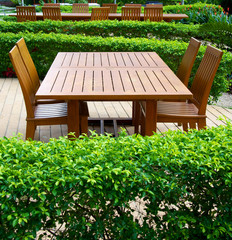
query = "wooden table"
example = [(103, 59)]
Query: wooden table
[(112, 76), (112, 16)]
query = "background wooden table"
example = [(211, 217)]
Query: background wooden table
[(112, 16)]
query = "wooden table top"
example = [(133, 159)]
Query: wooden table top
[(84, 16), (115, 76)]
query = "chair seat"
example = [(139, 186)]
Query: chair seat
[(57, 110), (177, 109)]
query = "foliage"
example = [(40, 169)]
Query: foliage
[(129, 29), (201, 13), (223, 31), (172, 186), (44, 47)]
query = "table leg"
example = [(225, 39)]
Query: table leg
[(73, 117), (151, 117)]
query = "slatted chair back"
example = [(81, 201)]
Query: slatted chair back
[(205, 74), (52, 4), (80, 8), (113, 7), (52, 13), (101, 13), (24, 80), (131, 13), (28, 62), (185, 67), (25, 14), (153, 12)]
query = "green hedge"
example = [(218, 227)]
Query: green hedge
[(180, 184), (44, 47), (128, 29)]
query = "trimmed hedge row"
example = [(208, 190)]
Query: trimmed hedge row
[(128, 29), (44, 47), (172, 186)]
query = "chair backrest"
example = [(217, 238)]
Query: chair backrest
[(52, 13), (203, 80), (24, 80), (113, 7), (153, 12), (80, 8), (28, 62), (186, 65), (101, 13), (52, 4), (131, 13), (25, 14)]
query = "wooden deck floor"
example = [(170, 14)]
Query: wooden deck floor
[(13, 114)]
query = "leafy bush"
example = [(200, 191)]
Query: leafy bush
[(129, 29), (201, 13), (172, 186), (44, 47)]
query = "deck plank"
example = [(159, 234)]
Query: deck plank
[(13, 115)]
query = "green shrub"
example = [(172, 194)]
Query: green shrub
[(129, 29), (44, 47), (172, 186)]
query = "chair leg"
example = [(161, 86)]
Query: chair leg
[(192, 125), (84, 124), (201, 124), (84, 114), (136, 115), (30, 130), (185, 127), (142, 119)]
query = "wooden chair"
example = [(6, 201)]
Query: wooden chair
[(186, 65), (153, 12), (113, 7), (52, 13), (25, 14), (31, 69), (52, 4), (80, 8), (131, 13), (101, 13), (40, 114), (194, 111)]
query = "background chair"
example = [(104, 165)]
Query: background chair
[(113, 7), (194, 111), (101, 13), (52, 13), (153, 12), (131, 13), (25, 14), (80, 8)]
